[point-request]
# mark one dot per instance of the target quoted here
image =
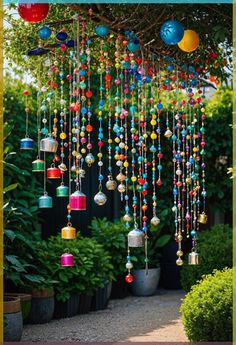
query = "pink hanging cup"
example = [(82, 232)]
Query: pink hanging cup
[(78, 201), (67, 260)]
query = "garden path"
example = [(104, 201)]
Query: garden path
[(133, 319)]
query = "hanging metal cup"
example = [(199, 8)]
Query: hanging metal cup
[(193, 258), (135, 238), (48, 145)]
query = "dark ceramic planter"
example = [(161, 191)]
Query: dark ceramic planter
[(42, 306), (25, 301), (67, 309), (13, 321), (119, 288), (84, 304), (100, 300)]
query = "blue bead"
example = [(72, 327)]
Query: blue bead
[(159, 167), (172, 32), (193, 233)]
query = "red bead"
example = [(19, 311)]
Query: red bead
[(159, 182), (33, 13), (141, 181), (26, 92), (129, 278), (160, 155)]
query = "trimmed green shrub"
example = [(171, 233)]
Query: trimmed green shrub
[(215, 249), (207, 308)]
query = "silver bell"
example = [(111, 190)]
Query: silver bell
[(193, 258), (135, 238), (48, 145)]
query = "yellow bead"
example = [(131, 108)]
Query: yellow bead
[(202, 110), (82, 134), (99, 155), (126, 164), (133, 178), (116, 114), (63, 136), (74, 153), (62, 82), (195, 149), (153, 136), (117, 65), (188, 137), (153, 169), (55, 120), (100, 113), (116, 157), (145, 135), (73, 130), (117, 140), (153, 122), (126, 147), (109, 141), (83, 150), (154, 117), (154, 203)]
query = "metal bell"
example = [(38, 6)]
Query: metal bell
[(53, 172), (78, 201), (100, 198), (111, 184), (67, 260), (202, 218), (48, 145), (38, 165), (26, 144), (45, 201), (62, 191), (135, 238), (68, 232), (193, 258)]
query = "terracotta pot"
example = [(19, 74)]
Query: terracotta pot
[(13, 321), (25, 300)]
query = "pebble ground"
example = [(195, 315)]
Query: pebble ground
[(133, 319)]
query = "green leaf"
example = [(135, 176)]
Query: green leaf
[(9, 188), (163, 240)]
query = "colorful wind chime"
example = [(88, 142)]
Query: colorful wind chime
[(130, 109)]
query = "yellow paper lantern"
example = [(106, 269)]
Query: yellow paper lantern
[(189, 42)]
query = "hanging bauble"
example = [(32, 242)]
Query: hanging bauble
[(129, 278), (111, 184), (78, 201), (62, 167), (62, 191), (135, 238), (168, 133), (26, 144), (179, 262), (89, 159), (121, 188), (102, 30), (70, 43), (193, 258), (33, 13), (61, 35), (172, 32), (120, 177), (44, 32), (190, 41), (127, 218), (202, 218), (155, 220), (37, 51), (38, 165), (45, 201), (132, 46), (100, 198), (53, 172), (67, 260), (68, 232), (48, 145)]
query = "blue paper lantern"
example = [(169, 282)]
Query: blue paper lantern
[(102, 30), (172, 32), (61, 36), (132, 46), (44, 32)]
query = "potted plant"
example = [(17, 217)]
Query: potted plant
[(13, 321), (77, 283), (146, 279), (113, 237)]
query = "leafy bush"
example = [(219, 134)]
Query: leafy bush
[(215, 250), (91, 270), (207, 308), (113, 236)]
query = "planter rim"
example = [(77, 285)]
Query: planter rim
[(11, 305), (143, 269), (22, 296), (41, 293)]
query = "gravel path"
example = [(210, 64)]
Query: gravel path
[(154, 318)]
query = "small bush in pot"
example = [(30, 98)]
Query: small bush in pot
[(207, 309), (215, 250), (113, 237), (92, 267), (146, 271)]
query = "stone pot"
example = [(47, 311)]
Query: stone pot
[(13, 321), (42, 306), (25, 301), (145, 282)]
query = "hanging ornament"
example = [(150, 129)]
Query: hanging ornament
[(26, 143), (193, 258), (62, 191), (100, 198), (67, 260), (48, 144), (68, 232), (111, 184), (61, 35), (102, 30), (172, 32), (133, 46), (33, 13), (189, 42), (135, 238), (78, 201), (53, 172), (38, 165), (44, 32), (45, 201)]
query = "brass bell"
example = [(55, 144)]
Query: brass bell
[(202, 218), (135, 238), (193, 258), (68, 232)]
